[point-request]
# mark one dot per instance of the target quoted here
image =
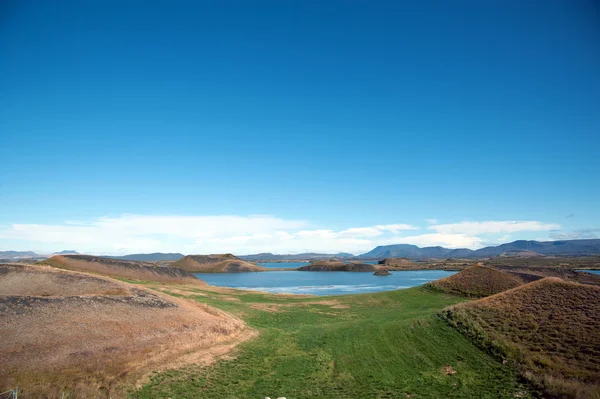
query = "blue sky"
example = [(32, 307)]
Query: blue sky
[(296, 125)]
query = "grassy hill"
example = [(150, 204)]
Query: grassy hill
[(549, 328), (121, 268), (221, 263), (88, 335), (477, 281), (337, 266), (384, 345)]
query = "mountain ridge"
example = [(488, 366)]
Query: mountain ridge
[(557, 248)]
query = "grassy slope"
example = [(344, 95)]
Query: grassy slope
[(549, 327), (384, 345), (477, 281)]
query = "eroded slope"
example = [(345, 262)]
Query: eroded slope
[(88, 335)]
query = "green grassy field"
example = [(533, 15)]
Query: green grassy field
[(384, 345)]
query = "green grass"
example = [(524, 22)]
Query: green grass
[(384, 345)]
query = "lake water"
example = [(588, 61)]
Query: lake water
[(322, 283), (590, 271)]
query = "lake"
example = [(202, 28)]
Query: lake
[(322, 283), (590, 271)]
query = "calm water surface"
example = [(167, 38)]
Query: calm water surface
[(322, 283), (590, 271)]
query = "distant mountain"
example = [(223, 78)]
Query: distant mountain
[(405, 251), (18, 254), (67, 252), (157, 256), (516, 248), (303, 256)]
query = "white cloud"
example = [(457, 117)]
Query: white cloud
[(395, 228), (243, 235), (492, 227), (196, 234)]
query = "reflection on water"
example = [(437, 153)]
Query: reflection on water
[(322, 283)]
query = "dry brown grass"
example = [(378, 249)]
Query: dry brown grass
[(338, 266), (477, 281), (549, 328), (91, 336), (122, 268), (22, 280), (225, 263)]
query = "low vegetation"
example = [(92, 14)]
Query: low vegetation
[(384, 345), (337, 266), (549, 329), (121, 268), (224, 263), (477, 281), (87, 336)]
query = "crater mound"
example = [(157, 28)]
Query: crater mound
[(122, 268), (549, 328), (220, 263), (88, 334), (337, 266), (477, 281)]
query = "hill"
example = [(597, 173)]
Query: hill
[(337, 266), (516, 248), (548, 328), (221, 263), (267, 256), (153, 257), (121, 268), (86, 334), (477, 281)]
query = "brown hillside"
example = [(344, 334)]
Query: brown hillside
[(399, 263), (90, 335), (549, 328), (477, 281), (121, 268), (224, 263), (337, 266)]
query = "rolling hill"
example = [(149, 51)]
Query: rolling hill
[(88, 334), (549, 329), (220, 263), (121, 268), (516, 248), (338, 266), (477, 281)]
